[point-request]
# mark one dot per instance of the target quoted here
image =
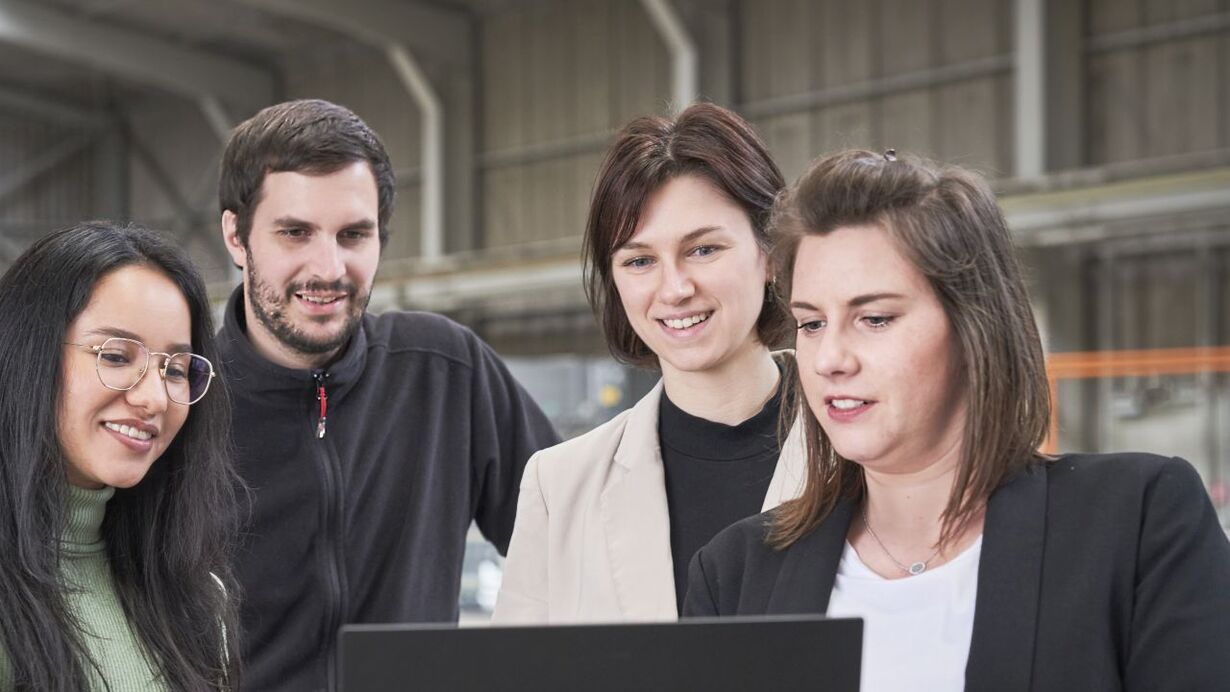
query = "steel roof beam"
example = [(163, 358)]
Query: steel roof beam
[(17, 101), (422, 29), (133, 56)]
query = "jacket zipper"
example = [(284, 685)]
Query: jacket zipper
[(323, 397), (331, 525)]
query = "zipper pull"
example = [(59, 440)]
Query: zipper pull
[(323, 398)]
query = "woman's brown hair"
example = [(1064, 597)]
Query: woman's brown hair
[(945, 220), (706, 141)]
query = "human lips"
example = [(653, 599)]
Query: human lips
[(320, 298), (844, 407), (321, 301), (134, 434), (685, 321)]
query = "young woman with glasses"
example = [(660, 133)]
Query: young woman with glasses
[(116, 489)]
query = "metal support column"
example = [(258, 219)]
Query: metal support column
[(431, 112), (1030, 154), (684, 63)]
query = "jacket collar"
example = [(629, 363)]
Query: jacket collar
[(809, 567), (1009, 580), (637, 519), (248, 373), (636, 515), (790, 473), (1001, 651)]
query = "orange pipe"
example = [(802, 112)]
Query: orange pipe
[(1134, 363)]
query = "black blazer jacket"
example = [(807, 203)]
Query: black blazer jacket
[(1098, 572)]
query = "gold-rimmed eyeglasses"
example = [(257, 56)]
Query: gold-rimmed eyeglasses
[(121, 363)]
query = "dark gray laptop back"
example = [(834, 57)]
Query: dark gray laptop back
[(710, 654)]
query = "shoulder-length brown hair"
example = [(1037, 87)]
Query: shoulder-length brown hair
[(704, 140), (945, 220)]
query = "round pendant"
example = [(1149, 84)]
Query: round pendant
[(918, 568)]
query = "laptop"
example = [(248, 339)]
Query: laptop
[(710, 654)]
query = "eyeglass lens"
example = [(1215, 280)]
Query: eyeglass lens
[(122, 363)]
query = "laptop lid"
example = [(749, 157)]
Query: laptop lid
[(710, 654)]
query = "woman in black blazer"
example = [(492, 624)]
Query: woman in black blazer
[(976, 562)]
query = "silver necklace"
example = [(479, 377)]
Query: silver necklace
[(914, 568)]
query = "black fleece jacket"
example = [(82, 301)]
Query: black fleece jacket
[(425, 430)]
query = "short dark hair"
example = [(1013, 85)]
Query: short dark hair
[(308, 136), (704, 140), (169, 539), (945, 221)]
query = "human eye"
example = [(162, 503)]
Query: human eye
[(705, 250), (878, 321), (176, 372), (640, 262), (114, 357), (355, 236), (118, 353), (293, 232), (811, 326)]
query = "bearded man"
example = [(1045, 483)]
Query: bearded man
[(369, 442)]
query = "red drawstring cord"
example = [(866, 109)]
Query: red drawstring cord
[(324, 407)]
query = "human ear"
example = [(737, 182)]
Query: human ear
[(230, 238)]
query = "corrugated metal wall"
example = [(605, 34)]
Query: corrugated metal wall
[(173, 159), (927, 76), (46, 183), (558, 79), (1158, 76), (362, 80)]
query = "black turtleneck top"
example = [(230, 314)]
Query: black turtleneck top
[(716, 474)]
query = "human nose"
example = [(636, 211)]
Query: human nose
[(326, 261), (149, 394), (676, 284), (833, 355)]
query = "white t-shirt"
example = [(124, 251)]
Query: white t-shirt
[(916, 630)]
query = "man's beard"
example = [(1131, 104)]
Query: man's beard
[(271, 309)]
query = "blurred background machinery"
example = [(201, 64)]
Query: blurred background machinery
[(1105, 125)]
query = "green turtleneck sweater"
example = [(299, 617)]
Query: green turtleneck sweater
[(92, 599)]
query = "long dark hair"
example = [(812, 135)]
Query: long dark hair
[(945, 220), (168, 539), (704, 140)]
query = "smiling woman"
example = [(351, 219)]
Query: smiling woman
[(116, 497), (677, 272)]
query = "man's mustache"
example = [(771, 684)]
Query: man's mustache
[(338, 286)]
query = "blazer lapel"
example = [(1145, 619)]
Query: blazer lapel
[(789, 475), (1001, 651), (791, 471), (809, 567), (637, 519)]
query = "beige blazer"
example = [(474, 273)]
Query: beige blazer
[(592, 538)]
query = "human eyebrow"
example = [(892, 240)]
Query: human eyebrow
[(291, 221), (116, 332), (702, 231), (631, 246), (364, 225), (858, 301), (688, 237), (113, 332)]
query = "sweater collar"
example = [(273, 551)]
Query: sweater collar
[(702, 438), (85, 510), (248, 372)]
